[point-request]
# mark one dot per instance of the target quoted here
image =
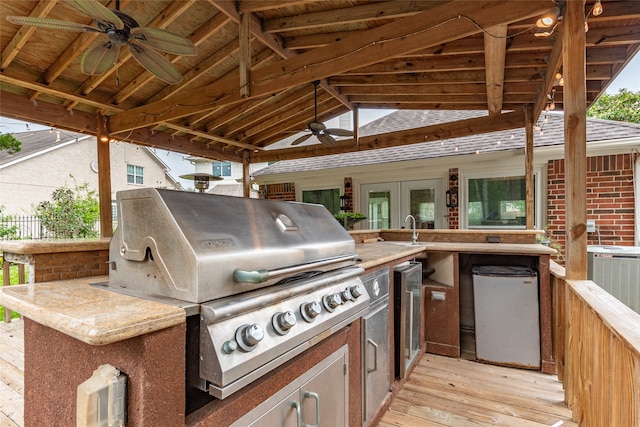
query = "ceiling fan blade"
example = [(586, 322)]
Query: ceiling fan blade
[(99, 59), (326, 139), (51, 24), (155, 63), (99, 12), (302, 139), (163, 40), (339, 132)]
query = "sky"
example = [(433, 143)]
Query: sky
[(629, 78)]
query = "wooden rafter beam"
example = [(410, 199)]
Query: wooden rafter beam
[(402, 36), (475, 126), (272, 41), (495, 43), (21, 38)]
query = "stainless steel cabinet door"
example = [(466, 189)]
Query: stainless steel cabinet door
[(376, 359), (283, 414), (324, 398)]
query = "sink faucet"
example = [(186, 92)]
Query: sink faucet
[(414, 236)]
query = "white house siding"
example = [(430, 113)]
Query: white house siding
[(26, 183)]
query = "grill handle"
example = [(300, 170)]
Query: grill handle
[(259, 276)]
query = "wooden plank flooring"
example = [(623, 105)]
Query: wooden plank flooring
[(455, 392), (11, 373), (440, 392)]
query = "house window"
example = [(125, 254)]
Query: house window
[(221, 168), (135, 174), (329, 198), (496, 202)]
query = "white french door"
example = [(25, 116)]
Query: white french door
[(386, 205)]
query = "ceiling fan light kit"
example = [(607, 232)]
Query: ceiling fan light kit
[(121, 30)]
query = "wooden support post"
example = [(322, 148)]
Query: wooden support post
[(104, 179), (246, 175), (575, 139), (528, 168)]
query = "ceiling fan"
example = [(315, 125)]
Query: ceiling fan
[(121, 30), (318, 129)]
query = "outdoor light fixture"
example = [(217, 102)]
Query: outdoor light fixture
[(547, 23), (597, 8), (201, 180), (104, 138), (549, 19)]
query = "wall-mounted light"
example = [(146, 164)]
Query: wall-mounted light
[(549, 19), (345, 203)]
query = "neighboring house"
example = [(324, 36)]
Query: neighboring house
[(231, 184), (471, 182), (52, 159)]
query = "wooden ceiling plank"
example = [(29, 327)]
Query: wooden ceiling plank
[(347, 15), (495, 42), (23, 34), (475, 126), (418, 89), (416, 99), (401, 36), (262, 5), (197, 38)]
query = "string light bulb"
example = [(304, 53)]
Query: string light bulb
[(597, 8)]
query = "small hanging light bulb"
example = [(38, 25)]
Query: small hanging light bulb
[(513, 136), (597, 8), (552, 106), (50, 130), (456, 149), (547, 108), (558, 75), (586, 26), (561, 81), (498, 142), (477, 151)]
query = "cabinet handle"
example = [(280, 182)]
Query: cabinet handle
[(296, 406), (317, 399), (375, 356), (407, 346)]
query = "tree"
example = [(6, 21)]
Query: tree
[(71, 213), (10, 143), (623, 107)]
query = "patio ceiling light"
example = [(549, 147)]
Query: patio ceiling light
[(549, 19)]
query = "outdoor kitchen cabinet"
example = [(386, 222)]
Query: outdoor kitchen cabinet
[(319, 397)]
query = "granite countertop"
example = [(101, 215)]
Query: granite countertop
[(45, 246), (375, 253), (91, 315)]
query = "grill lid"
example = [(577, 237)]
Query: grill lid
[(200, 247)]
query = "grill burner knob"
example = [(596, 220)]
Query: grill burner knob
[(310, 311), (356, 291), (248, 336), (282, 322), (347, 295), (229, 346), (331, 301)]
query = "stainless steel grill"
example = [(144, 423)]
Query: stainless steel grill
[(266, 279)]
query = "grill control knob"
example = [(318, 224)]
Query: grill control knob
[(229, 346), (347, 295), (282, 322), (331, 301), (356, 291), (248, 336), (310, 310)]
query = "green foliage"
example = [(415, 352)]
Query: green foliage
[(623, 107), (13, 279), (6, 232), (10, 143), (71, 213)]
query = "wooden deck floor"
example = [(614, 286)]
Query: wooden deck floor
[(440, 392), (11, 374)]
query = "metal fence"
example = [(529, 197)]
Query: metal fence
[(22, 227)]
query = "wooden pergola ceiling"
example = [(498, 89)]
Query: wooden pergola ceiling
[(249, 84)]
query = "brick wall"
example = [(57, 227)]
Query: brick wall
[(70, 265), (453, 213), (610, 199), (285, 191)]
